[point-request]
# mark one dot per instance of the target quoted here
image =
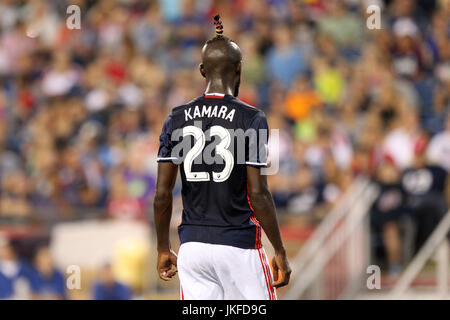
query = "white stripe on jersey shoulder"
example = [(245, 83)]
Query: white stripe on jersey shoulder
[(256, 163), (166, 158)]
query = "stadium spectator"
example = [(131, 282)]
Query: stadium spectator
[(438, 151), (343, 26), (285, 61), (108, 288), (15, 198), (386, 213), (15, 274), (427, 189), (47, 282)]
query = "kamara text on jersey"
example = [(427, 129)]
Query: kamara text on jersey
[(209, 112)]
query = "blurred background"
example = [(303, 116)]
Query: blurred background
[(364, 140)]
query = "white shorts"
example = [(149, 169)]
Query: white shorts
[(220, 272)]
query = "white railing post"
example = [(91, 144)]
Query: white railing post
[(312, 268), (316, 240), (442, 269), (436, 238)]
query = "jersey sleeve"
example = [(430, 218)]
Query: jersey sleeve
[(165, 142), (258, 137)]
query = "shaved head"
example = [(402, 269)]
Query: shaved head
[(221, 52), (221, 60)]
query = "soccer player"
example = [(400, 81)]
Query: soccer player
[(225, 201)]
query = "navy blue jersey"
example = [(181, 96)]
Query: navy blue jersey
[(212, 139)]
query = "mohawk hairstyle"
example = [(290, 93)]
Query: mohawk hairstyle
[(219, 31)]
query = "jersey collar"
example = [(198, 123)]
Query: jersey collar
[(216, 95)]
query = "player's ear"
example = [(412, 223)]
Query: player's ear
[(202, 70), (238, 68)]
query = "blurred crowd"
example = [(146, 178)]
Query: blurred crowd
[(32, 274), (81, 110)]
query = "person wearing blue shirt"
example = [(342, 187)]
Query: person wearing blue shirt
[(107, 288), (12, 272), (47, 282), (285, 61)]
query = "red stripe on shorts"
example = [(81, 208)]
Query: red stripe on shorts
[(270, 275), (265, 275)]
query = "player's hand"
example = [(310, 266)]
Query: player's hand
[(167, 265), (281, 270)]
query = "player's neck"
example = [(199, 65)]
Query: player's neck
[(219, 85)]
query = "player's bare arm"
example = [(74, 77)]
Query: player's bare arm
[(264, 208), (167, 260)]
